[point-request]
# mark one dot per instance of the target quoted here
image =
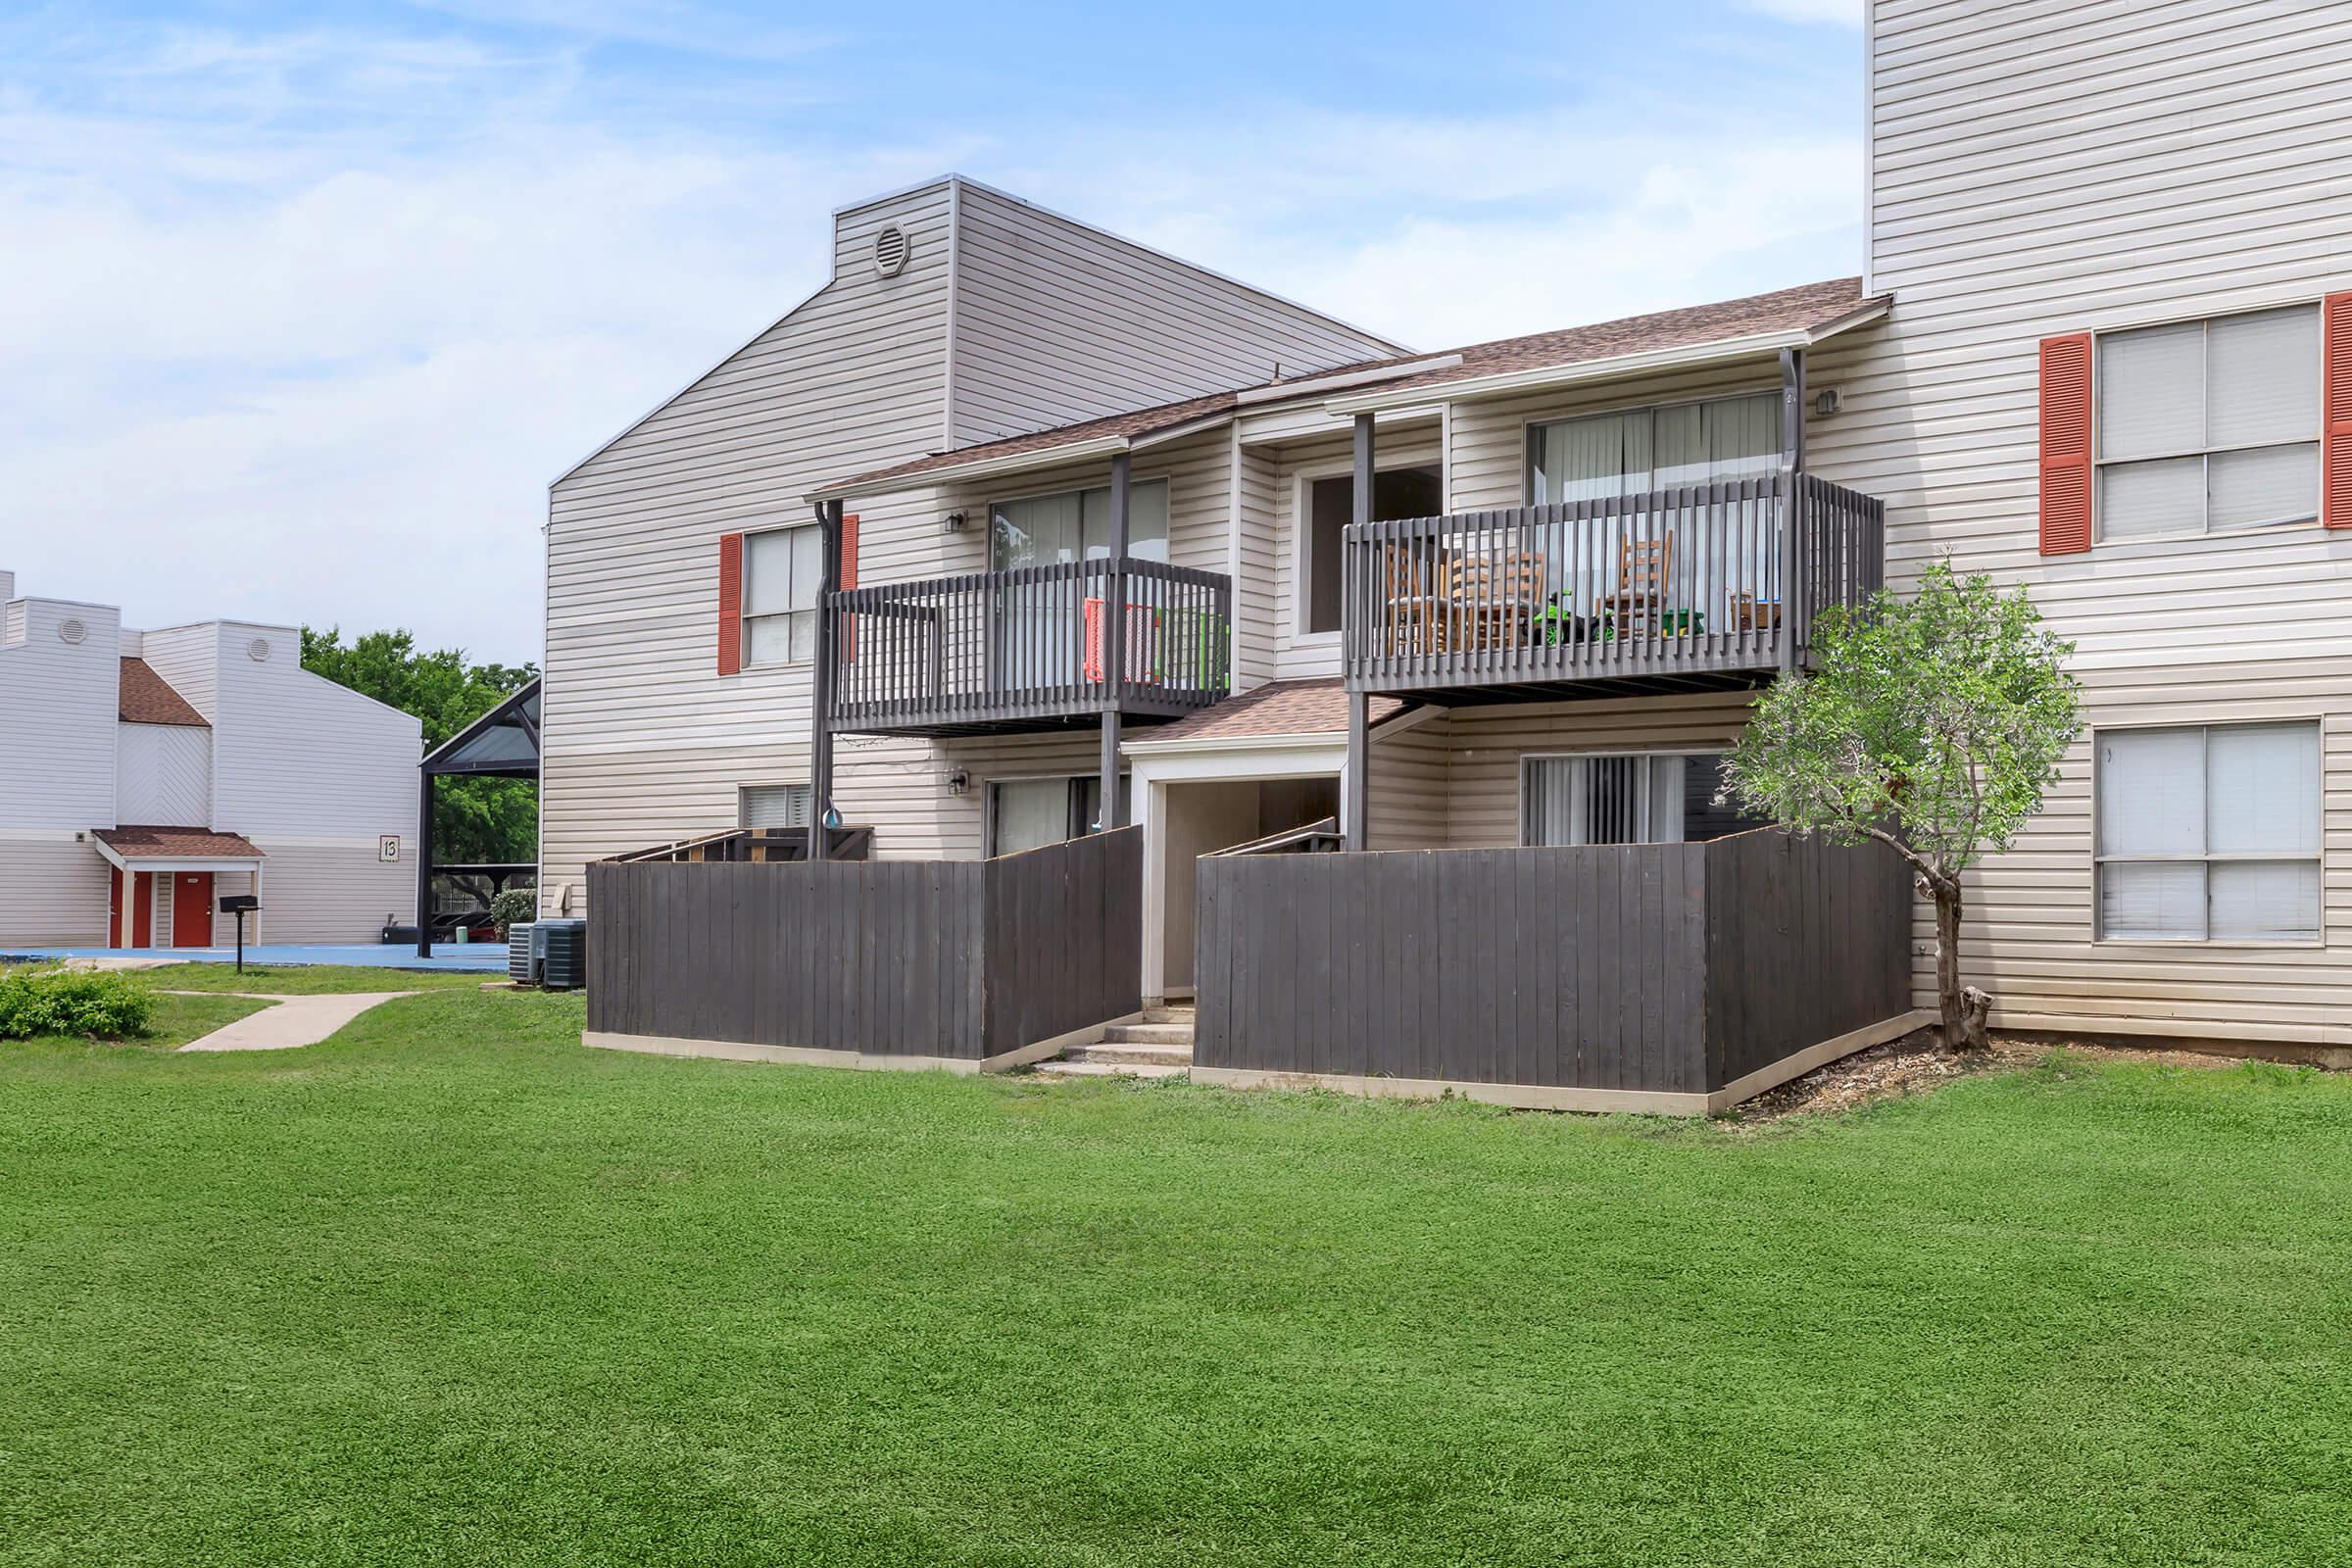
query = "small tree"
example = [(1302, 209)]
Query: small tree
[(1932, 724)]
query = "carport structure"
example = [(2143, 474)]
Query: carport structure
[(503, 743)]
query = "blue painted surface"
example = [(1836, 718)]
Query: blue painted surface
[(478, 956)]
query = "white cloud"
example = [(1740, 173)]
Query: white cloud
[(300, 325)]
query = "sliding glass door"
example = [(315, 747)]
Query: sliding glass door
[(1636, 451), (1041, 627)]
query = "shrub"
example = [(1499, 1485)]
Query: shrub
[(72, 1001), (515, 906)]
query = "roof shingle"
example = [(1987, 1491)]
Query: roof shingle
[(177, 844), (1278, 708), (146, 698)]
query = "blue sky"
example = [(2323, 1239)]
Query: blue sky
[(304, 306)]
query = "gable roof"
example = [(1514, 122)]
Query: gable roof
[(1808, 311), (146, 698)]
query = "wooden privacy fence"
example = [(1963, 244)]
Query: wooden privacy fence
[(1660, 969), (953, 960)]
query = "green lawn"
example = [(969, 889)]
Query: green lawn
[(450, 1289), (307, 979), (176, 1022)]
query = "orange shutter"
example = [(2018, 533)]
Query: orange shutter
[(2336, 404), (730, 603), (2066, 413), (848, 581)]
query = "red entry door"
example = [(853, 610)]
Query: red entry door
[(191, 908)]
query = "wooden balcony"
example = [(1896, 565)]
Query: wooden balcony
[(1024, 649), (1705, 588)]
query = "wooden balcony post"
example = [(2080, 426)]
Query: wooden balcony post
[(1114, 643), (820, 684), (1357, 788), (1793, 584)]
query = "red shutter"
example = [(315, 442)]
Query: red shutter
[(2335, 403), (848, 581), (2066, 413), (730, 603)]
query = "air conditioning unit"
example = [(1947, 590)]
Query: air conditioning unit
[(521, 951), (562, 952)]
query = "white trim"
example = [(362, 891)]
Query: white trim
[(1303, 479), (1102, 445), (1601, 370)]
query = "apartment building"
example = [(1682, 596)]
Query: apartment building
[(1522, 593), (148, 774)]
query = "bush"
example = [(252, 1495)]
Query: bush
[(515, 906), (72, 1001)]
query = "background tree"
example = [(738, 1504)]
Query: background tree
[(475, 820), (1932, 724)]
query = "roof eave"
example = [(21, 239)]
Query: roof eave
[(1714, 351)]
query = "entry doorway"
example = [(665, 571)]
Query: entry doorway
[(1216, 815), (191, 908)]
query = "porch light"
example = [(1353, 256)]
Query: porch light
[(960, 782), (955, 521), (1825, 402)]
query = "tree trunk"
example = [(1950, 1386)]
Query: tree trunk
[(1963, 1009)]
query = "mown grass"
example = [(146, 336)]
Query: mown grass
[(450, 1289), (308, 979)]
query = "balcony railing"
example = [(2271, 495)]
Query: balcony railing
[(1025, 649), (1710, 585)]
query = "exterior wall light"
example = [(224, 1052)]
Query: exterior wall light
[(960, 782)]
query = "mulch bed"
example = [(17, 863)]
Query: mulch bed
[(1916, 1064)]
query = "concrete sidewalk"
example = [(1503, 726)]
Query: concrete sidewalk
[(290, 1021)]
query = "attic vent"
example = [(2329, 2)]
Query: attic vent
[(71, 631), (890, 250), (257, 650)]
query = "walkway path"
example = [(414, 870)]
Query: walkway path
[(290, 1021)]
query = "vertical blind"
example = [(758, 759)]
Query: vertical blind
[(2210, 834), (1075, 525), (2210, 424), (1641, 450)]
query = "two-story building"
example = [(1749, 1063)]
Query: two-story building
[(144, 775), (1521, 593)]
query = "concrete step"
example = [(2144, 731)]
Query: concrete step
[(1150, 1033), (1134, 1053), (1065, 1068), (1183, 1012)]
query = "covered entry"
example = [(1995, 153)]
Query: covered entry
[(503, 743), (1257, 765), (163, 883)]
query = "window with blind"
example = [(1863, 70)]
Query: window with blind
[(775, 804), (1637, 797), (2209, 834), (2207, 425), (1075, 525), (1641, 450), (781, 571)]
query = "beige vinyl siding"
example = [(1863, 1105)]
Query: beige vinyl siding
[(2108, 167), (1057, 321), (164, 776), (1256, 478), (1489, 743), (1408, 801), (58, 706), (642, 741)]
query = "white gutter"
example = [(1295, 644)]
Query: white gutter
[(1551, 376), (1284, 391)]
